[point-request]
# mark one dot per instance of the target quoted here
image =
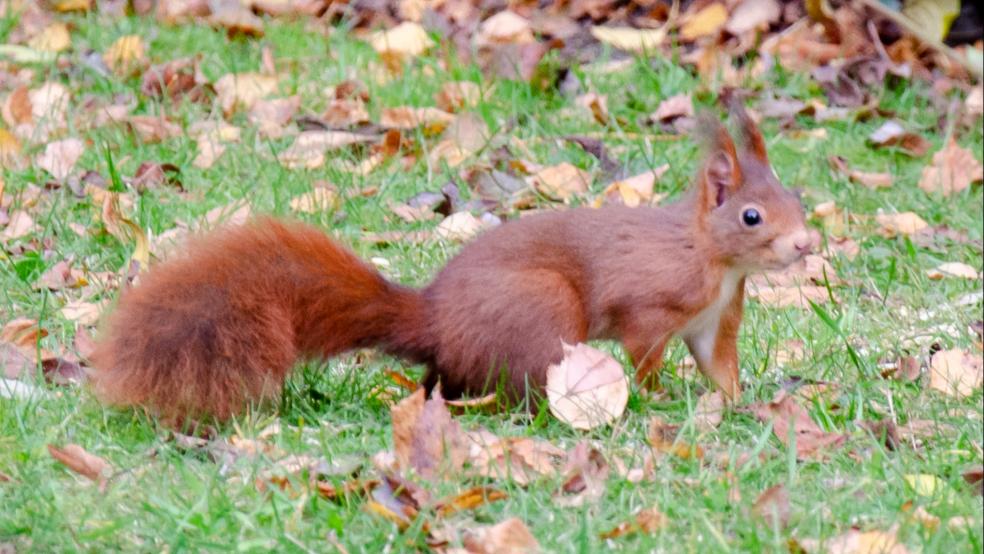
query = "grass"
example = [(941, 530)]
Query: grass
[(167, 499)]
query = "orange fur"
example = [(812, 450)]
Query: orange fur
[(221, 326)]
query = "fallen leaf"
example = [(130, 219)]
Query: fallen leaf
[(647, 520), (236, 19), (460, 226), (82, 462), (795, 286), (15, 361), (952, 170), (345, 112), (21, 224), (519, 459), (905, 223), (151, 129), (921, 516), (630, 39), (458, 95), (82, 312), (319, 200), (953, 269), (61, 276), (870, 180), (504, 26), (585, 473), (425, 437), (791, 422), (709, 411), (956, 372), (636, 190), (753, 15), (773, 506), (892, 133), (243, 90), (53, 38), (152, 175), (672, 108), (11, 156), (59, 157), (560, 182), (924, 484), (706, 22), (308, 149), (508, 537), (664, 438), (406, 40), (596, 105), (125, 54), (587, 389), (406, 117), (177, 79), (272, 116), (975, 478), (858, 542)]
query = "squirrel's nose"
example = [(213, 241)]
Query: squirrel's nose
[(803, 241)]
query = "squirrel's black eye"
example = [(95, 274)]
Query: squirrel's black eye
[(751, 217)]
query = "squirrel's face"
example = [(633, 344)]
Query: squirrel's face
[(762, 225)]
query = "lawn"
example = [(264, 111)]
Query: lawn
[(163, 496)]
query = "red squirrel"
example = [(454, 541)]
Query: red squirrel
[(204, 334)]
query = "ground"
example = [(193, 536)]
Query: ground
[(162, 497)]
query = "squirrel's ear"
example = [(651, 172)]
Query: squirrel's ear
[(751, 137), (721, 175)]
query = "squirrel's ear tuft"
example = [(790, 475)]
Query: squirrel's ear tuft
[(751, 138), (720, 176)]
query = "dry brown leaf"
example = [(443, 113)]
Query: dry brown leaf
[(78, 460), (20, 225), (795, 286), (59, 157), (953, 269), (61, 276), (425, 437), (432, 120), (406, 40), (673, 107), (956, 372), (773, 506), (125, 55), (921, 516), (53, 38), (953, 169), (82, 312), (209, 151), (505, 27), (151, 129), (595, 104), (519, 459), (630, 39), (468, 500), (237, 20), (508, 537), (708, 21), (272, 116), (308, 149), (319, 200), (752, 15), (648, 520), (791, 422), (905, 223), (588, 388), (891, 133), (346, 112), (243, 90), (858, 542), (663, 437), (870, 180), (709, 411), (460, 226), (585, 473), (458, 95), (11, 156), (636, 190), (560, 182)]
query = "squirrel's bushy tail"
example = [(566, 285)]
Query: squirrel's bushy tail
[(219, 326)]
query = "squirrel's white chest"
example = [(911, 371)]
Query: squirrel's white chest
[(701, 330)]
